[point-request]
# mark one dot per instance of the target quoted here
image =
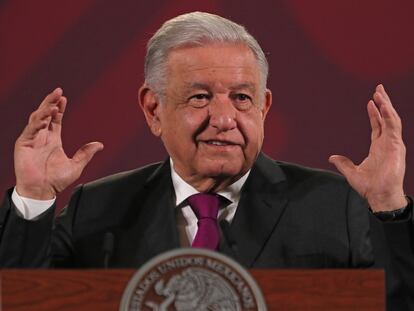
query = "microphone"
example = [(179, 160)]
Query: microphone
[(108, 247), (229, 238)]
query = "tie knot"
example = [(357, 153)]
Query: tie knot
[(205, 205)]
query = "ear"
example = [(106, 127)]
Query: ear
[(150, 105), (267, 103)]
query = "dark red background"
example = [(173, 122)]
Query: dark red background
[(325, 59)]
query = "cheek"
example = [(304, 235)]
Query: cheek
[(252, 129), (192, 122), (183, 126)]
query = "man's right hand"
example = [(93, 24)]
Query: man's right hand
[(41, 166)]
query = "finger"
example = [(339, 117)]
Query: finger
[(43, 113), (52, 98), (382, 99), (57, 118), (380, 88), (40, 119), (391, 119), (86, 153), (385, 96), (374, 119), (343, 165)]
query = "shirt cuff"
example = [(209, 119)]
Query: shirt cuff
[(30, 208)]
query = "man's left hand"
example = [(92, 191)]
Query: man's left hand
[(379, 177)]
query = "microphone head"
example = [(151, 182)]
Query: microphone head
[(108, 242)]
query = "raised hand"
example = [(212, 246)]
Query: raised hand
[(41, 166), (380, 176)]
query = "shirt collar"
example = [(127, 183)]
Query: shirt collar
[(183, 190)]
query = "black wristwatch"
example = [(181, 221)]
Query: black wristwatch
[(398, 214)]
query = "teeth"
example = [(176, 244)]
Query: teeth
[(217, 143)]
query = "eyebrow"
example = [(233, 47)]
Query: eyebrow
[(243, 86)]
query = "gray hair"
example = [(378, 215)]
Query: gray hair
[(195, 29)]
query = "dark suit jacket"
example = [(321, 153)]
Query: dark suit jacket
[(288, 217)]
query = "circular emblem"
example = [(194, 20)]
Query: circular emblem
[(192, 279)]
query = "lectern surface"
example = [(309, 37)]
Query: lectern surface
[(102, 289)]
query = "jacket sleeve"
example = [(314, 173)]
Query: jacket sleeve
[(393, 243), (24, 243), (393, 249), (40, 243)]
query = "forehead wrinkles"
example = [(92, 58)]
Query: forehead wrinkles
[(197, 71), (225, 72), (220, 87), (223, 77), (213, 57)]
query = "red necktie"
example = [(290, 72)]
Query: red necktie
[(206, 206)]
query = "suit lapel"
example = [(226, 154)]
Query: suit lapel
[(161, 231), (156, 229), (261, 206)]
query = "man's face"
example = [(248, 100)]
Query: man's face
[(211, 120)]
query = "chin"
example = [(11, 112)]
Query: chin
[(221, 168)]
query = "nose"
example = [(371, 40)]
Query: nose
[(222, 114)]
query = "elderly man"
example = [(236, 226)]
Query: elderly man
[(205, 96)]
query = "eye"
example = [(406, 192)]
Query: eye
[(242, 97), (199, 100), (200, 96), (242, 101)]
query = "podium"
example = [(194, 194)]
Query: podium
[(102, 289)]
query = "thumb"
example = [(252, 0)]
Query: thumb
[(86, 153), (343, 164)]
